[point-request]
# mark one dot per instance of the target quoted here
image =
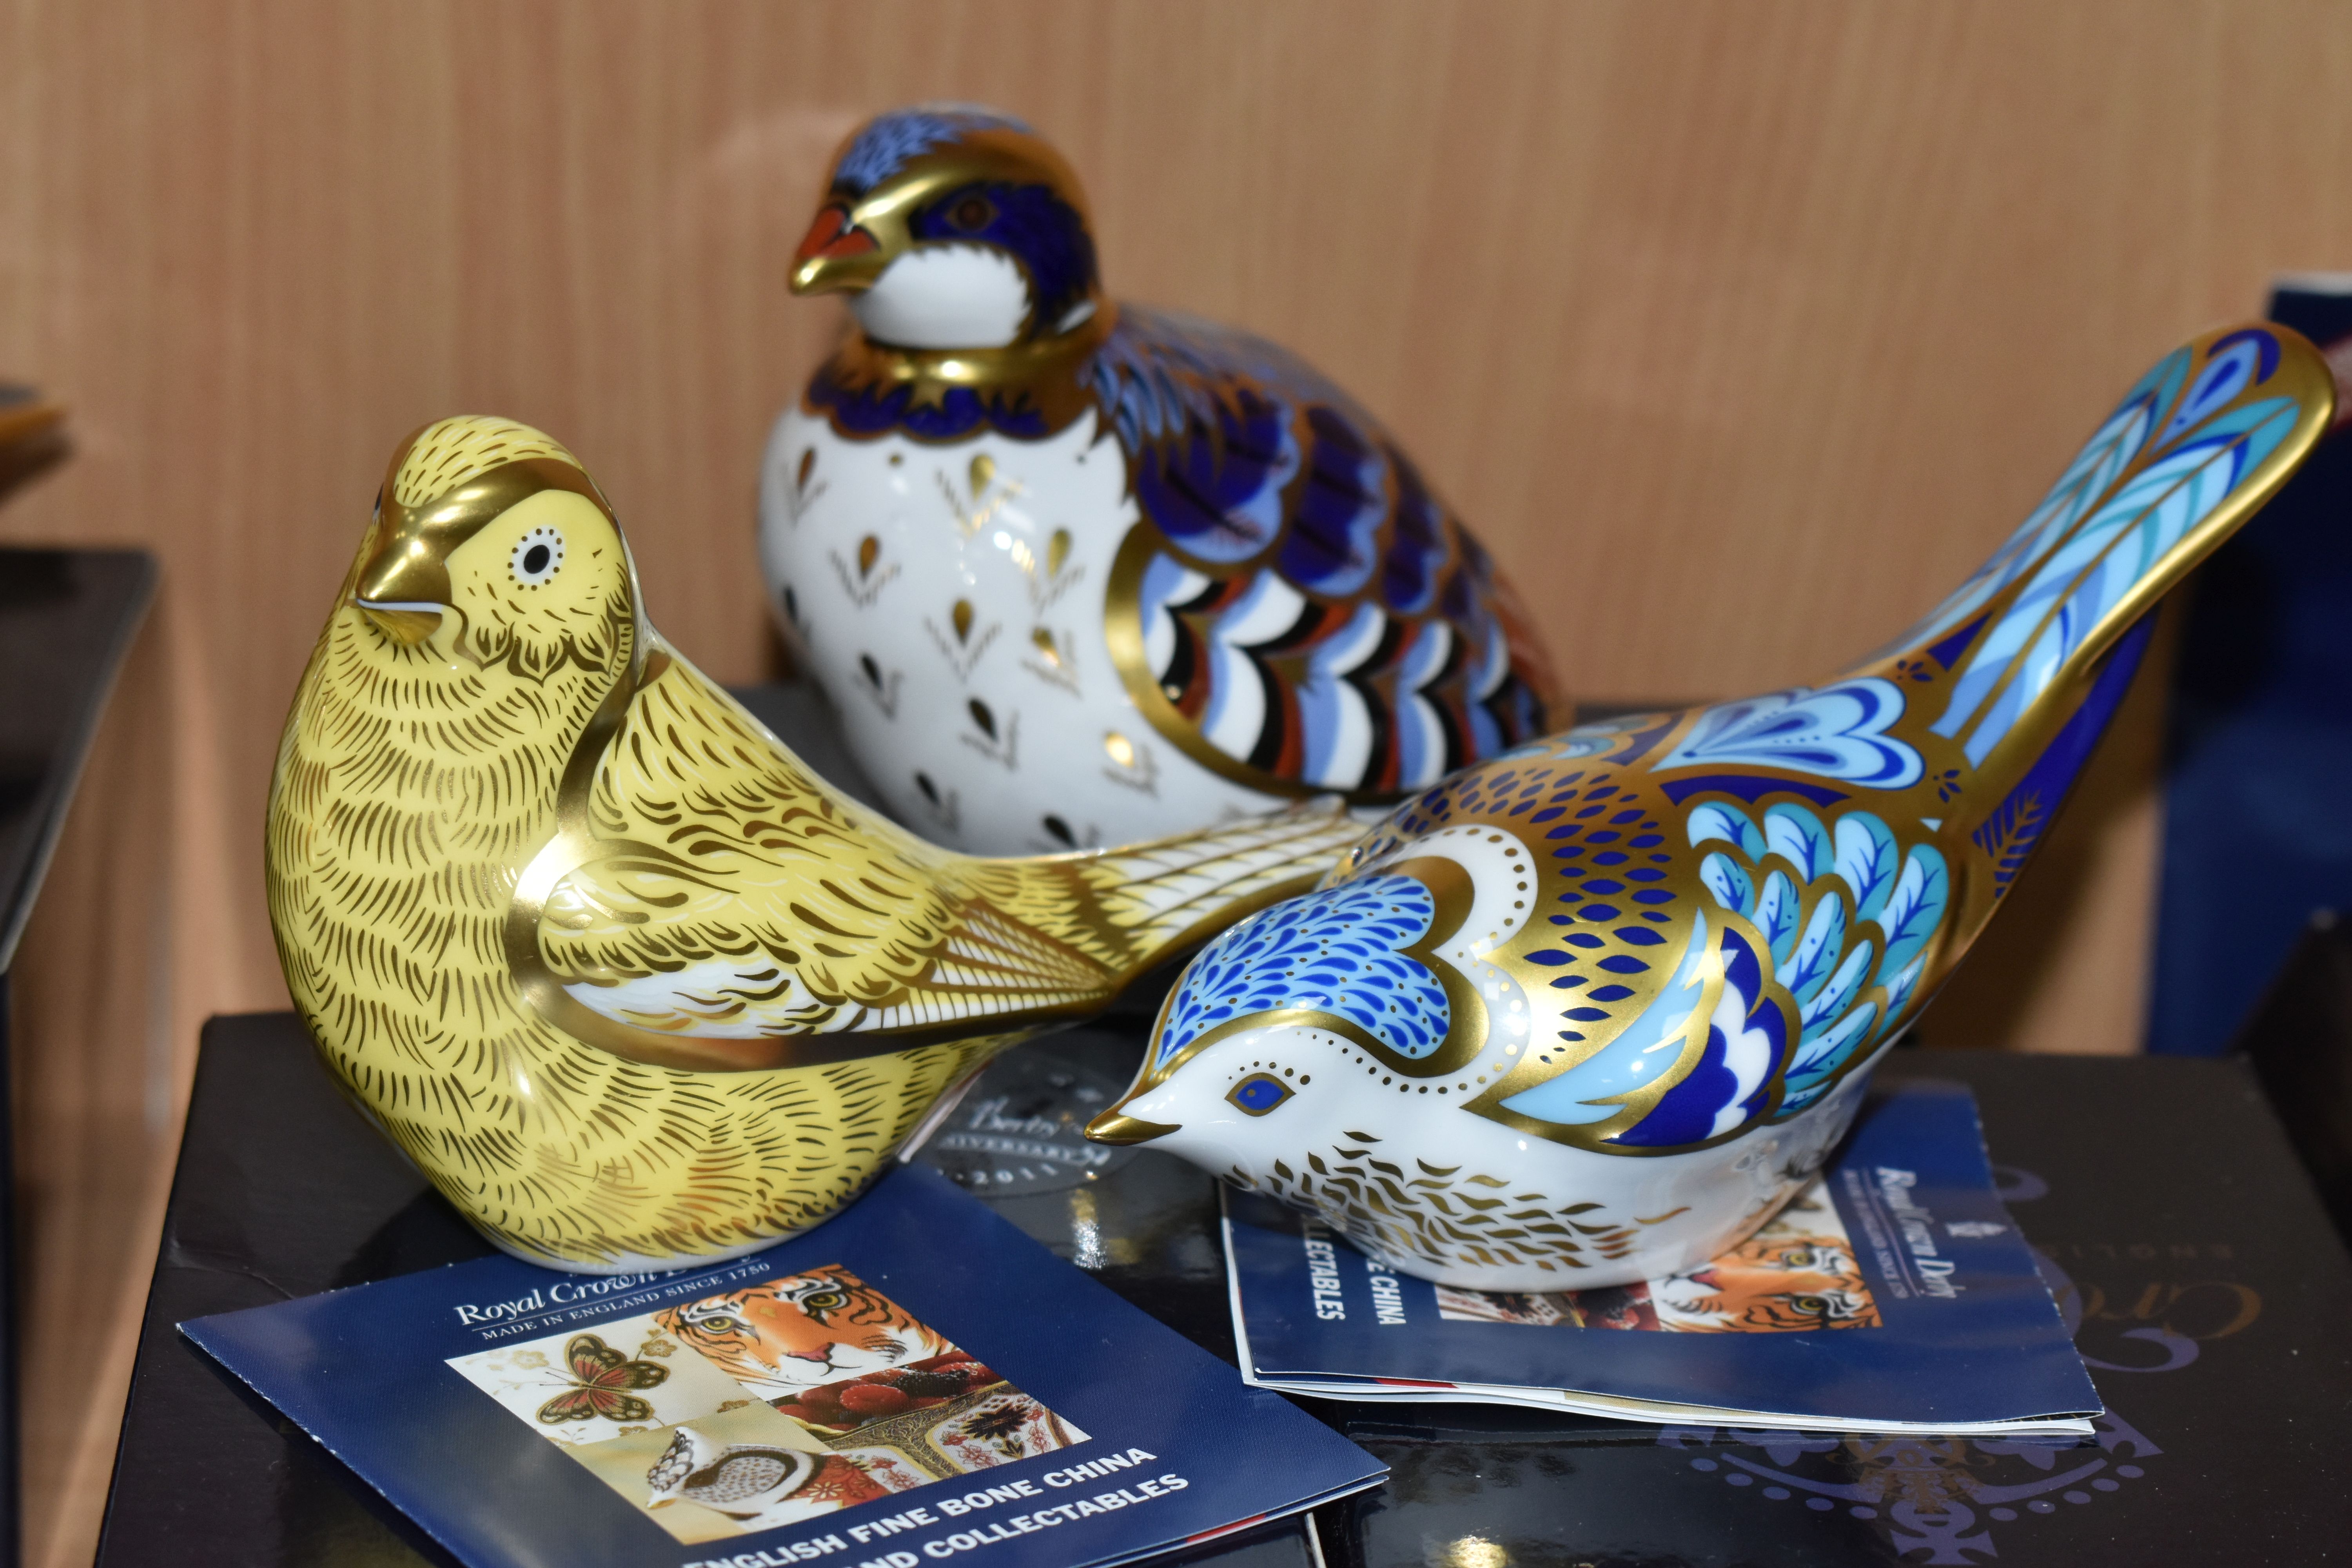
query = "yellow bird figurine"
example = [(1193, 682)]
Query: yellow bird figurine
[(625, 980)]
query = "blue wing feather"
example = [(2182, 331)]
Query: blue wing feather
[(1797, 836), (1732, 887), (1807, 969), (1874, 910), (1713, 819), (1776, 914), (1830, 1002), (1915, 909), (1865, 859), (1248, 465)]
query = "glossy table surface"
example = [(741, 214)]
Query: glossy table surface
[(67, 617), (2208, 1285)]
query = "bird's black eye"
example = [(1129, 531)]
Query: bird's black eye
[(1258, 1093), (972, 214), (538, 556)]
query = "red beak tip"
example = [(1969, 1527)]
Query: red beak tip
[(831, 235)]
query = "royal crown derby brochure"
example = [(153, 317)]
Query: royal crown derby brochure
[(912, 1383), (1893, 1294)]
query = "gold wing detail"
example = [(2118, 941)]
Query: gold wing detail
[(726, 894)]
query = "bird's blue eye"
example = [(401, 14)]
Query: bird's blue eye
[(1259, 1094)]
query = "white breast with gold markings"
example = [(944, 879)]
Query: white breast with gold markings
[(949, 600)]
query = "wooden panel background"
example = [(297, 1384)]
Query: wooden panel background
[(1739, 330)]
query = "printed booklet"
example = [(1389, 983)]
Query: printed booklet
[(1893, 1294), (914, 1382)]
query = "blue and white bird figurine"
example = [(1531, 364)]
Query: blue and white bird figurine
[(1072, 572), (1588, 1013)]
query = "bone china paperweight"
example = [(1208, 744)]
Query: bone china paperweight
[(1588, 1013), (1075, 571), (627, 983)]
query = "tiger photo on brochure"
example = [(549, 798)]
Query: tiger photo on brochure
[(767, 1405), (1795, 1275)]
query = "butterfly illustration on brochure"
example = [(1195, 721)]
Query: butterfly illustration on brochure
[(600, 1375), (768, 1405)]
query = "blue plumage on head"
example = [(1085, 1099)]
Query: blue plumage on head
[(1031, 222), (1340, 950), (890, 141)]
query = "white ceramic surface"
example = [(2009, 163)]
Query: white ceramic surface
[(1424, 1157), (1585, 1013), (1063, 742), (1077, 574)]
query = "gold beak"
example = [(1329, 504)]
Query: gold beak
[(840, 254), (404, 588), (1117, 1127)]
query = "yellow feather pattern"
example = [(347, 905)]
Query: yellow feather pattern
[(536, 884)]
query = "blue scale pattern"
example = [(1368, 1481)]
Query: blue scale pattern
[(890, 141), (1873, 909), (1248, 462), (1336, 952)]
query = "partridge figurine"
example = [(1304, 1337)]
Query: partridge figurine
[(1586, 1012), (1074, 572), (631, 987)]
